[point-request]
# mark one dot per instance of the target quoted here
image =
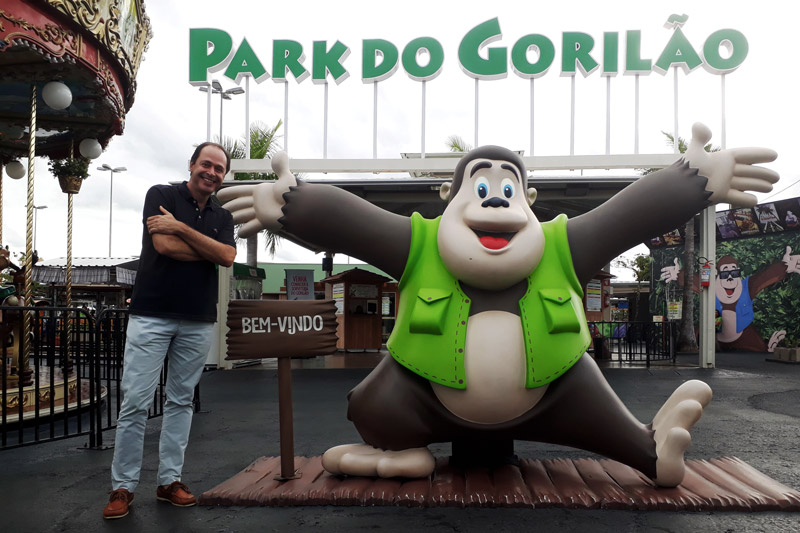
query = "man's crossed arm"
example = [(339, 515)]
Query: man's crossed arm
[(175, 239)]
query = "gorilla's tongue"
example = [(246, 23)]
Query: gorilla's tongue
[(493, 243)]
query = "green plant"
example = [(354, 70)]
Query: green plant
[(77, 167)]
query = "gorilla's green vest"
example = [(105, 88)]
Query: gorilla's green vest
[(431, 327)]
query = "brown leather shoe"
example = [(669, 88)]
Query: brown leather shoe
[(177, 494), (118, 503)]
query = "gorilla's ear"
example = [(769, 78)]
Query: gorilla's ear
[(532, 195), (444, 191)]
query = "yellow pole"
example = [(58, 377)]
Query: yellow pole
[(68, 361), (26, 342)]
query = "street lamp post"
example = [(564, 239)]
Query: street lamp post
[(105, 166), (216, 88), (35, 211)]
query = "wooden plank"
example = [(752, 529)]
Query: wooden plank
[(726, 484), (543, 491)]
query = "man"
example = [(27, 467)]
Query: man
[(173, 310)]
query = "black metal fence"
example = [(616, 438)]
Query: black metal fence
[(634, 342), (72, 383), (75, 363)]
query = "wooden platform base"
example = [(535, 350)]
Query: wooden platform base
[(726, 484)]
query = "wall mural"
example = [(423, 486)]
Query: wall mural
[(757, 289)]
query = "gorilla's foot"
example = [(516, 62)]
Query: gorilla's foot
[(366, 460), (671, 426), (775, 339)]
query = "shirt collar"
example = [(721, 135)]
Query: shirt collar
[(183, 189)]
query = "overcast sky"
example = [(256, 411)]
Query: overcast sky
[(169, 115)]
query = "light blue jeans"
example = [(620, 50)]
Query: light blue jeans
[(148, 340)]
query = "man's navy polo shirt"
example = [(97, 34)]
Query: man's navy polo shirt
[(170, 288)]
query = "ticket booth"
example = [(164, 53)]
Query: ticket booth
[(358, 296)]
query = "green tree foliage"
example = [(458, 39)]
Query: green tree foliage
[(263, 144), (640, 266), (456, 144)]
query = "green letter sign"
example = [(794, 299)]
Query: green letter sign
[(371, 70), (287, 56), (734, 42), (412, 52), (209, 50), (494, 66), (246, 63), (519, 55), (329, 61)]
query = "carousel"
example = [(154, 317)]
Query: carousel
[(67, 79)]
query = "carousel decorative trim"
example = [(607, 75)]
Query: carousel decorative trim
[(63, 40), (126, 43)]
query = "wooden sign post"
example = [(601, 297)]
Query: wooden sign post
[(284, 329)]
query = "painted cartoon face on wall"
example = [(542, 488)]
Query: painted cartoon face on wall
[(729, 283), (488, 236)]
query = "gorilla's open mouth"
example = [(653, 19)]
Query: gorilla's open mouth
[(730, 291), (494, 240)]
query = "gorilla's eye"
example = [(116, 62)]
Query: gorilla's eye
[(482, 187), (508, 187)]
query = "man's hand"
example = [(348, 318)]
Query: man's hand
[(792, 261), (670, 273), (258, 207), (166, 223), (730, 172)]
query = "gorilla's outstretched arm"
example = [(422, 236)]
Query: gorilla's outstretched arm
[(666, 199)]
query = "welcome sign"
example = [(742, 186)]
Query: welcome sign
[(529, 56), (280, 328)]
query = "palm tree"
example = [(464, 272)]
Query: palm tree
[(263, 144), (687, 341), (457, 144), (640, 266)]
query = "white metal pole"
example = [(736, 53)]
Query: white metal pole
[(532, 109), (572, 117), (676, 148), (286, 115), (325, 124), (724, 133), (221, 94), (247, 114), (636, 115), (608, 115), (422, 133), (477, 112), (375, 120), (208, 113)]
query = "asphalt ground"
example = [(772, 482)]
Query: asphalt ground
[(62, 486)]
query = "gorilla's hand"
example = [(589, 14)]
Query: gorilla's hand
[(670, 273), (792, 261), (258, 207), (730, 172)]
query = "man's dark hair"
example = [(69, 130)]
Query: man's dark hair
[(487, 152), (200, 147)]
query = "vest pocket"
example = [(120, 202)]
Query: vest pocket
[(559, 314), (430, 311)]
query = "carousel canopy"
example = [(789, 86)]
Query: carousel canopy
[(93, 48)]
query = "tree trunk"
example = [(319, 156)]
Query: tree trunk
[(687, 342), (252, 250)]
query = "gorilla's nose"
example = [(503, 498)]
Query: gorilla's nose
[(495, 201)]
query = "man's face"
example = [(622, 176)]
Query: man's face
[(206, 174), (729, 283)]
